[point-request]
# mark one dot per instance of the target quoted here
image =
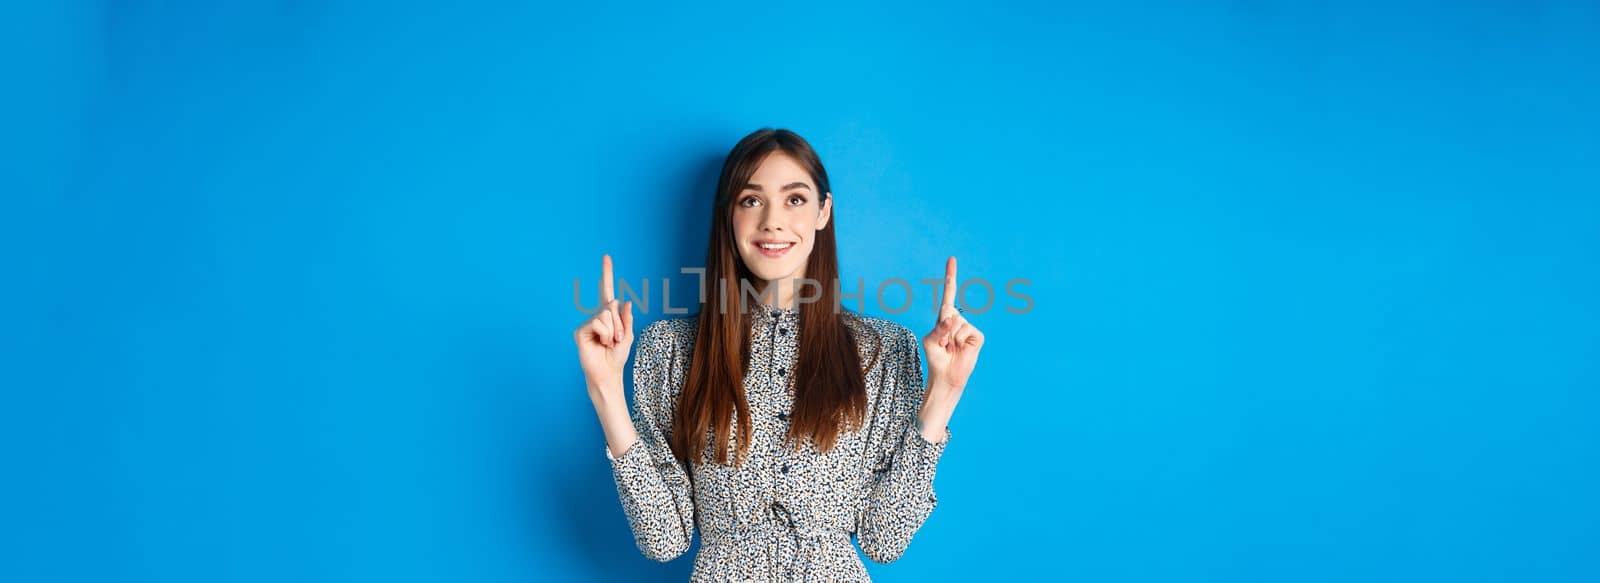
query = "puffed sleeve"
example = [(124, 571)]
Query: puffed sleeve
[(900, 495), (652, 485)]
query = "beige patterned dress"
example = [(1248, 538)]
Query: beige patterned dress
[(783, 515)]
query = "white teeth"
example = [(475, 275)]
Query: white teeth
[(776, 245)]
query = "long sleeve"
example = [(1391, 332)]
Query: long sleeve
[(653, 487), (900, 496)]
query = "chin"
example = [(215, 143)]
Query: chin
[(766, 274), (767, 270)]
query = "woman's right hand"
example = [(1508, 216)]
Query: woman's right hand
[(605, 339)]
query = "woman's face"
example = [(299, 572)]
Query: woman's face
[(776, 218)]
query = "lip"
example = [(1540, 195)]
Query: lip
[(773, 252)]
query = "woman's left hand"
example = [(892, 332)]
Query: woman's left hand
[(952, 349)]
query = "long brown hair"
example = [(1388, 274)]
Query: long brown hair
[(830, 389)]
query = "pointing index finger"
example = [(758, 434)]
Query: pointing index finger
[(949, 284), (606, 293)]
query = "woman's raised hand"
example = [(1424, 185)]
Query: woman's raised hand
[(605, 339), (953, 344)]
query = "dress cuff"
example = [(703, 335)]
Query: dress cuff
[(916, 427), (930, 449), (615, 458), (918, 460)]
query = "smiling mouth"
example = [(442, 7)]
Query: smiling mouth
[(774, 249)]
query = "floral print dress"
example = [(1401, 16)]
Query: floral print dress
[(782, 515)]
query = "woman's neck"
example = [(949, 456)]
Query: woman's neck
[(783, 296)]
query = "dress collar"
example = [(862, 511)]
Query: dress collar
[(770, 314)]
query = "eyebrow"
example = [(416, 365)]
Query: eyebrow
[(757, 187)]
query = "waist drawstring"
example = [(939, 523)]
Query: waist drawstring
[(777, 524)]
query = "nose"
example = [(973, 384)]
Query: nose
[(769, 221)]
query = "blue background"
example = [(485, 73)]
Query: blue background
[(289, 284)]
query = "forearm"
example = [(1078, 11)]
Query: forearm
[(938, 404), (611, 406)]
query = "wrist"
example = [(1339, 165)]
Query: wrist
[(943, 381), (941, 394), (607, 394)]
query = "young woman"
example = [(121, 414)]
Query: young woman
[(777, 422)]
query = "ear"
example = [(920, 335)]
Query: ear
[(826, 214)]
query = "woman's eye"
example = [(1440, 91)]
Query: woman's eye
[(749, 202), (797, 200)]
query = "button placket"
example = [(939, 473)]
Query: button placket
[(780, 332)]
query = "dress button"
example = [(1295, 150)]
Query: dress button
[(782, 330), (783, 416), (781, 371), (785, 468)]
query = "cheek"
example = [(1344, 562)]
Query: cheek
[(804, 224), (742, 225)]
